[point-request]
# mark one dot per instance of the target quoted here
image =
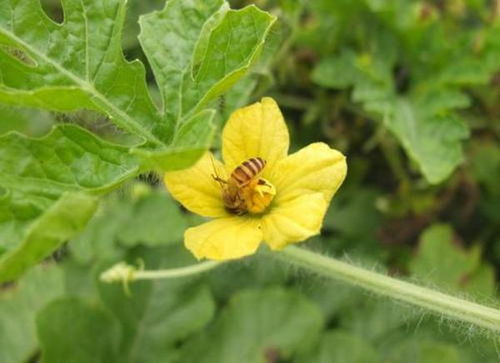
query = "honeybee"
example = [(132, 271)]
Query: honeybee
[(237, 190)]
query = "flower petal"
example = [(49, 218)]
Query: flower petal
[(295, 220), (317, 168), (196, 189), (255, 130), (224, 238)]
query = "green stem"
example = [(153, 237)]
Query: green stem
[(438, 302), (122, 272), (176, 272), (391, 153)]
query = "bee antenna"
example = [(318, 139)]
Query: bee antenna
[(213, 165), (216, 176)]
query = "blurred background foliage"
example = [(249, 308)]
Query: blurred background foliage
[(410, 92)]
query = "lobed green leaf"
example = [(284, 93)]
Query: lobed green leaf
[(150, 219), (257, 324), (408, 76), (61, 221), (441, 261), (341, 346), (47, 188), (158, 314), (197, 49), (67, 327), (18, 307)]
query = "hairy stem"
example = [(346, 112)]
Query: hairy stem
[(446, 305)]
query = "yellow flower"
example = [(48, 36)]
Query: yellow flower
[(284, 203)]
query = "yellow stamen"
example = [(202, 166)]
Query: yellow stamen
[(258, 195)]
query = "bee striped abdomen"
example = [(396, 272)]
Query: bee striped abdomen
[(247, 170)]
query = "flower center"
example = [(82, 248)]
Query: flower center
[(258, 194), (244, 191)]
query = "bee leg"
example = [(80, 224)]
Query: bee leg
[(218, 179)]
